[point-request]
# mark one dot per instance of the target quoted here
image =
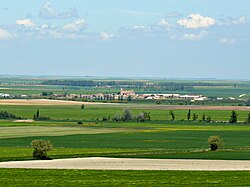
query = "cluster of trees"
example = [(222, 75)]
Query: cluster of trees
[(38, 117), (126, 115), (7, 115)]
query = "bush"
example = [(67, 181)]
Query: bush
[(117, 117), (140, 117), (215, 142), (195, 117), (40, 149), (104, 119)]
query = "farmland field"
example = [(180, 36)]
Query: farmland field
[(77, 133), (72, 111), (10, 177)]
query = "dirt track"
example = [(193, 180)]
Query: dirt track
[(97, 163)]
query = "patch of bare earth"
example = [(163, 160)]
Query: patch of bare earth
[(98, 163), (24, 121)]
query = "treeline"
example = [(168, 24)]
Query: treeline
[(166, 86), (92, 83), (233, 118), (7, 115), (69, 82)]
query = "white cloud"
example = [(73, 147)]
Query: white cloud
[(76, 26), (49, 12), (139, 28), (234, 21), (25, 23), (195, 37), (227, 41), (164, 23), (4, 35), (105, 36), (195, 21)]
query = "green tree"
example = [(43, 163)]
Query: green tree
[(195, 117), (215, 142), (129, 98), (208, 119), (172, 114), (82, 106), (40, 149), (37, 114), (189, 115), (127, 114), (203, 117), (233, 117)]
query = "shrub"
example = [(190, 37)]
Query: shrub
[(117, 117), (147, 116), (40, 149), (195, 117), (140, 117), (104, 119), (215, 142)]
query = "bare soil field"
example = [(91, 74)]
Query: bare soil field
[(24, 121), (196, 107), (98, 163), (44, 102)]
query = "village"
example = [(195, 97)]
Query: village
[(122, 96)]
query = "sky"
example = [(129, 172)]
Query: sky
[(125, 38)]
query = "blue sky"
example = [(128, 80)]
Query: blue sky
[(143, 38)]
